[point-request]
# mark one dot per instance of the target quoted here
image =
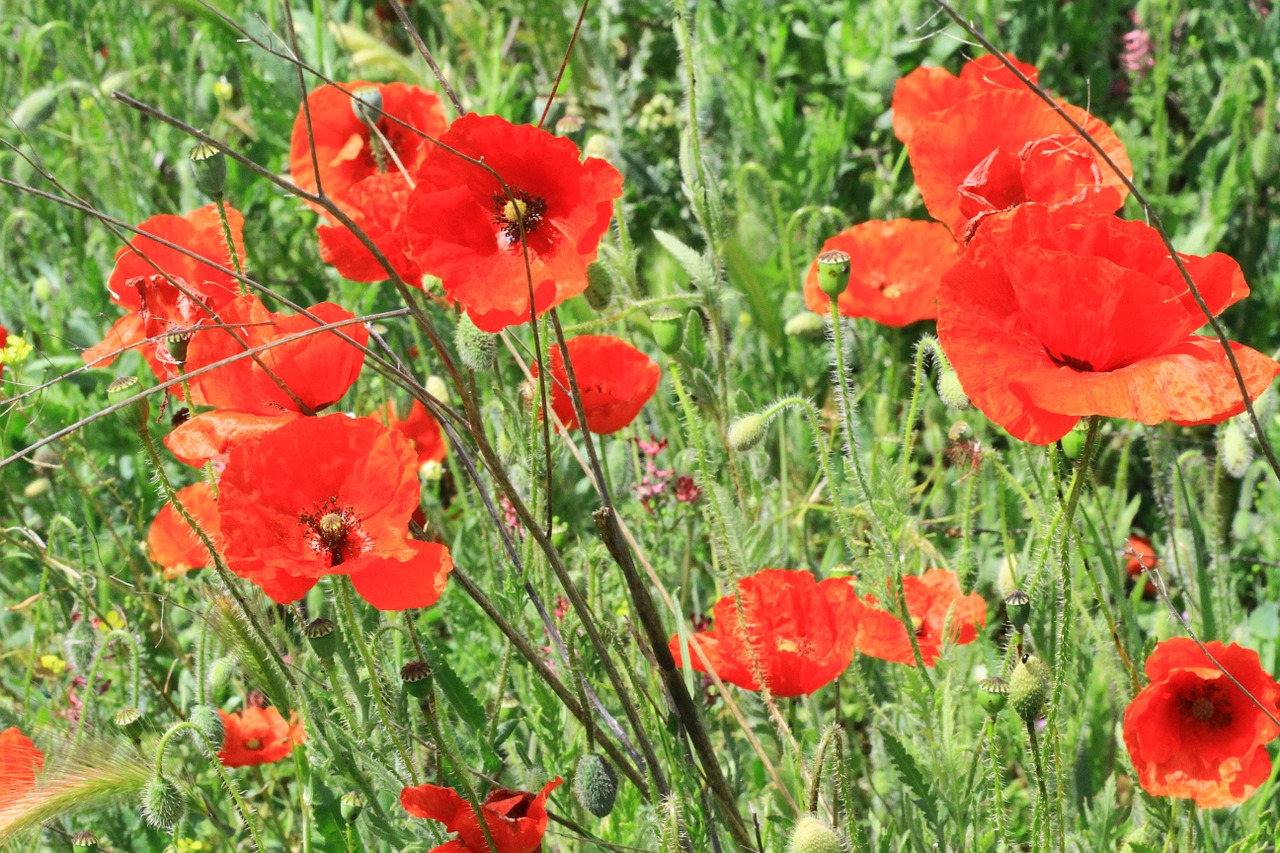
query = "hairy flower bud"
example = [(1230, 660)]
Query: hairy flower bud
[(595, 784), (950, 392), (207, 719), (748, 431), (600, 285), (1235, 450), (475, 348), (1029, 687), (812, 835), (162, 803), (806, 324)]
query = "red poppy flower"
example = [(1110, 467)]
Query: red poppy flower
[(172, 542), (154, 300), (1056, 314), (516, 819), (376, 205), (928, 90), (329, 495), (421, 429), (801, 632), (19, 761), (895, 274), (344, 150), (462, 227), (209, 437), (614, 378), (1003, 148), (1192, 733), (1141, 556), (257, 736), (938, 612), (318, 369)]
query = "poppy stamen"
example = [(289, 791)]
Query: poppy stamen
[(509, 212), (1202, 708), (334, 530)]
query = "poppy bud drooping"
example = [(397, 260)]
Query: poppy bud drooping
[(1029, 688), (162, 803), (475, 348), (812, 835), (833, 272), (748, 431), (595, 785), (950, 392), (1235, 451), (207, 719)]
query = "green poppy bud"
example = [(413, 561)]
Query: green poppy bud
[(1263, 154), (207, 719), (595, 784), (475, 348), (833, 272), (806, 324), (993, 694), (209, 166), (950, 392), (812, 835), (668, 330), (1029, 687), (600, 285), (1072, 444), (220, 672), (747, 432), (1235, 450), (162, 803)]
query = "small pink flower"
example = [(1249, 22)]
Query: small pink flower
[(687, 491), (1136, 57)]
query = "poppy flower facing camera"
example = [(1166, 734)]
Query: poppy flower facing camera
[(462, 225), (257, 736), (1055, 314)]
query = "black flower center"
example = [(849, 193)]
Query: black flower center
[(521, 206), (1071, 361)]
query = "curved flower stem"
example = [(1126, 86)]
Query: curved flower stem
[(135, 677), (351, 628), (242, 808)]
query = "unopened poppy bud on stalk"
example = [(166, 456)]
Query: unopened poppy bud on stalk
[(812, 835), (209, 167), (1029, 687), (806, 324), (950, 392), (595, 785), (162, 803), (207, 719), (833, 272), (1235, 451), (668, 330), (600, 285), (748, 431), (993, 695), (475, 348)]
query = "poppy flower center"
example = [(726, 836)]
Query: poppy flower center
[(1202, 708), (1083, 365), (253, 744), (509, 212), (335, 532), (917, 625)]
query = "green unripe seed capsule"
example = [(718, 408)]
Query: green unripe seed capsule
[(833, 272), (367, 104), (322, 635), (993, 695), (1029, 688), (162, 803), (209, 167), (747, 432), (1017, 605), (138, 414), (812, 835), (207, 719), (416, 677), (595, 785), (84, 841), (351, 805), (668, 330), (600, 285), (128, 720)]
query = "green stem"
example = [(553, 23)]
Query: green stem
[(231, 244), (211, 753)]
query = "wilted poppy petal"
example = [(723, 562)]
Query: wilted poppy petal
[(125, 334), (200, 232)]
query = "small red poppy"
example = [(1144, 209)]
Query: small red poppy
[(19, 762), (934, 602), (614, 378), (1193, 734), (930, 89), (172, 542), (1140, 557), (462, 227), (420, 428), (318, 368), (1055, 314), (516, 819), (257, 736), (329, 495), (800, 631), (895, 274), (1003, 148), (344, 149)]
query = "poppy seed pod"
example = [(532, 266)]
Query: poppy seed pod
[(366, 103), (162, 803), (668, 330), (994, 695), (84, 841), (209, 167), (475, 348), (833, 272), (811, 835), (1029, 687), (138, 413), (600, 285), (323, 637), (1018, 606), (127, 719), (416, 677), (351, 805), (595, 785)]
